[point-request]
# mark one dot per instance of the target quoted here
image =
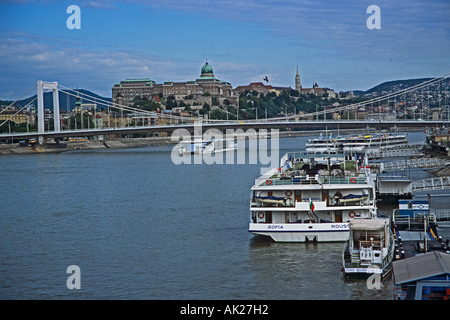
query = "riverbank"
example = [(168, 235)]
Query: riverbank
[(17, 149), (121, 143)]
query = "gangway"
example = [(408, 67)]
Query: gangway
[(416, 163), (394, 153), (437, 183), (403, 146)]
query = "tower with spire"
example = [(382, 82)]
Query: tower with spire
[(78, 103), (298, 85)]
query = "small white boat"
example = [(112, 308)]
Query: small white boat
[(351, 198), (271, 199), (199, 146), (370, 248)]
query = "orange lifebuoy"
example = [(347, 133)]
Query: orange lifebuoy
[(269, 181), (352, 214), (261, 215), (288, 193), (353, 180)]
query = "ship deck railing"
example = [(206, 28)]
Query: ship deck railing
[(353, 259), (308, 155), (292, 204), (311, 180), (374, 244)]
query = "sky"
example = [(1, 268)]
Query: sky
[(244, 41)]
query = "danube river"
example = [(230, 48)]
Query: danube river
[(139, 226)]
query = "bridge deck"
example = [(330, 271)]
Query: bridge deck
[(244, 125)]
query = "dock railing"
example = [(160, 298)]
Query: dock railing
[(429, 217), (433, 215), (442, 214)]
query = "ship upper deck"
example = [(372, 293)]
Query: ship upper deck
[(316, 171)]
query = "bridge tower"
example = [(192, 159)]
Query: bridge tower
[(41, 86)]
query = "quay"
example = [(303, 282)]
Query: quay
[(421, 266), (65, 146), (304, 125)]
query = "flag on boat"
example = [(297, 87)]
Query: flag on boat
[(311, 205)]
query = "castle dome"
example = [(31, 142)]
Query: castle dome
[(207, 71)]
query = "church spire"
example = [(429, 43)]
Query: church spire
[(298, 85)]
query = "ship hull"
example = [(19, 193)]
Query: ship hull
[(302, 232)]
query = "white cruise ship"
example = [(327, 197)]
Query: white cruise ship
[(377, 142), (312, 197), (325, 145), (356, 143)]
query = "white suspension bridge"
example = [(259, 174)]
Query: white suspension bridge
[(168, 123)]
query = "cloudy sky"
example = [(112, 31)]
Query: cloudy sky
[(242, 40)]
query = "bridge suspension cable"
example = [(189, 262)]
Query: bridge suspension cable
[(17, 99), (115, 105), (20, 110), (341, 108), (377, 99), (100, 101), (142, 112)]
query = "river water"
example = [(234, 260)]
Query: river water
[(139, 226)]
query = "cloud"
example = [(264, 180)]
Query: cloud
[(97, 4), (328, 39), (334, 25), (92, 69), (72, 67)]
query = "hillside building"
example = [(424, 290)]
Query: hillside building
[(125, 91), (261, 88), (316, 90)]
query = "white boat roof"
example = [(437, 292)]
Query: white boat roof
[(368, 224)]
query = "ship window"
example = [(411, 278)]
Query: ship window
[(268, 217)]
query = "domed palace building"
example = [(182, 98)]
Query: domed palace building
[(206, 85)]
